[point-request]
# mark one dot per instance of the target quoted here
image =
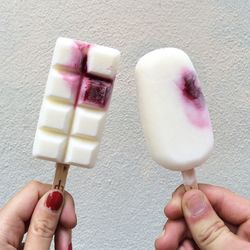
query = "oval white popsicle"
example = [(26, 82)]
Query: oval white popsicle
[(173, 111)]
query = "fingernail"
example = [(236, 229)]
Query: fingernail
[(70, 246), (181, 248), (196, 204), (174, 202), (54, 200), (161, 235)]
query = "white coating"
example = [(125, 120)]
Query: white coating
[(75, 130), (103, 61), (174, 141)]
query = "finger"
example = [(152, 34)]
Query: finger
[(173, 209), (173, 212), (44, 221), (187, 245), (16, 213), (207, 229), (229, 206), (231, 227), (174, 232), (63, 239), (68, 217), (244, 231), (21, 247), (24, 202)]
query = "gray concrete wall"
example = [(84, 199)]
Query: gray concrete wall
[(120, 202)]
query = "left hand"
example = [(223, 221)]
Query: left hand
[(42, 213)]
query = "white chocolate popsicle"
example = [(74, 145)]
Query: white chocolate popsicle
[(75, 103), (173, 111)]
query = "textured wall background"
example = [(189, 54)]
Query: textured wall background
[(120, 202)]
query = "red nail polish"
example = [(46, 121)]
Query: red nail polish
[(54, 200), (70, 246)]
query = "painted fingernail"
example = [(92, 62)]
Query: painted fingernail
[(70, 246), (54, 201), (196, 204)]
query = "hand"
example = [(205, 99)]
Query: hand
[(211, 218), (40, 212)]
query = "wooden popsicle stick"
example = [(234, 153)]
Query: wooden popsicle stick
[(60, 176), (193, 186), (189, 179)]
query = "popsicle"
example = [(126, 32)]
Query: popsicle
[(173, 112), (75, 104)]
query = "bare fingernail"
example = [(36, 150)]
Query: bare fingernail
[(181, 248), (196, 204)]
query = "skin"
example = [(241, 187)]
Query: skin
[(221, 222), (26, 212), (211, 218)]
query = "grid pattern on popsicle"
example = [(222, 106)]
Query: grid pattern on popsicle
[(76, 100)]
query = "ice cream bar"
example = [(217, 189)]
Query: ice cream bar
[(75, 103), (173, 111)]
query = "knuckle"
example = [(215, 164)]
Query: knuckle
[(246, 234), (69, 199), (209, 235), (246, 230), (43, 228), (180, 188), (33, 184)]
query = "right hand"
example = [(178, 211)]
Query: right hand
[(211, 218)]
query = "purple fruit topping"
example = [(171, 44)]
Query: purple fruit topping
[(90, 90), (193, 100), (83, 48), (95, 92), (192, 91)]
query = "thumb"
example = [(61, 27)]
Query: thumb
[(44, 221), (207, 229)]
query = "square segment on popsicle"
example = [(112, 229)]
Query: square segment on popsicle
[(102, 60), (93, 128), (76, 101), (55, 116), (81, 152), (95, 92), (49, 146), (62, 86)]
